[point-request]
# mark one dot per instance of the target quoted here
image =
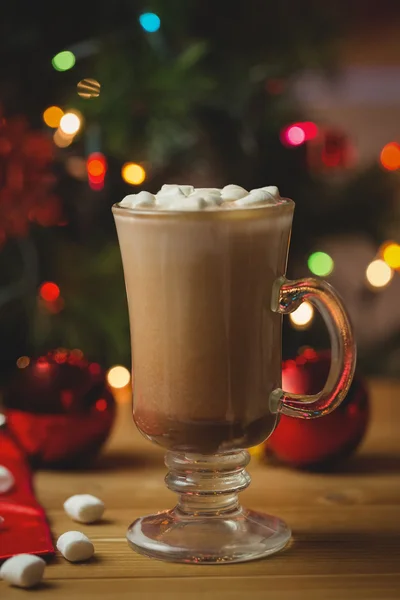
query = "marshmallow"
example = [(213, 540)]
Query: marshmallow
[(272, 190), (256, 197), (7, 480), (233, 192), (186, 189), (211, 197), (84, 508), (182, 190), (137, 200), (75, 546), (190, 203), (23, 570)]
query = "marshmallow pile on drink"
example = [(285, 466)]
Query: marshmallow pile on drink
[(186, 197)]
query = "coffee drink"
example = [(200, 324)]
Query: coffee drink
[(199, 269)]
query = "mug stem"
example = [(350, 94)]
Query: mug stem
[(207, 485)]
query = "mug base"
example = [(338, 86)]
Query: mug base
[(240, 536)]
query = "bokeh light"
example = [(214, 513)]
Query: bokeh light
[(298, 133), (49, 291), (310, 129), (150, 22), (118, 376), (101, 405), (52, 116), (61, 355), (390, 156), (96, 167), (76, 167), (94, 369), (320, 263), (61, 139), (133, 173), (88, 88), (96, 164), (391, 255), (302, 316), (378, 273), (70, 123), (295, 135), (23, 362), (63, 61)]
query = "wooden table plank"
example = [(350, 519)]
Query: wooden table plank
[(275, 587), (346, 525)]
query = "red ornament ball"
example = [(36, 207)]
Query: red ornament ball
[(322, 443), (59, 408)]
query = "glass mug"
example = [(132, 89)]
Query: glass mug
[(206, 293)]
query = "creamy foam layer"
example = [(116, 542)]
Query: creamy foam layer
[(186, 197)]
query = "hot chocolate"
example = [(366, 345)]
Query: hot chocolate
[(205, 342)]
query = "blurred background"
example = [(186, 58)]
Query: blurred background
[(97, 103)]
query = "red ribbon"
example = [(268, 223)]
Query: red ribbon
[(25, 528)]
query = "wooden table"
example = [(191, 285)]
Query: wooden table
[(346, 527)]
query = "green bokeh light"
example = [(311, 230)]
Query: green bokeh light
[(63, 61), (320, 263)]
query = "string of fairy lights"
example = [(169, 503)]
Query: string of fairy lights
[(67, 124)]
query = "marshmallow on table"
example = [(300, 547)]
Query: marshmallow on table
[(75, 546), (6, 480), (84, 508), (23, 570)]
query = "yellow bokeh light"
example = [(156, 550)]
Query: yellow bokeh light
[(23, 362), (70, 123), (61, 139), (88, 88), (118, 376), (391, 255), (378, 273), (303, 315), (52, 116), (133, 173)]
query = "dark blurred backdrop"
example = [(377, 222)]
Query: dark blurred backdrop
[(305, 96)]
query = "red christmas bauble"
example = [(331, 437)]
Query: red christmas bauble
[(59, 408), (324, 442)]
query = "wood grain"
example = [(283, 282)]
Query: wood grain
[(346, 526)]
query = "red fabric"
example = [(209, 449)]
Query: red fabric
[(25, 528)]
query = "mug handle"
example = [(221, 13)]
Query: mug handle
[(286, 297)]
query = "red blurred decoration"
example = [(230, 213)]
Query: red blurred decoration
[(331, 150), (60, 412), (25, 528), (322, 443), (275, 86), (95, 368), (49, 291), (299, 133), (26, 180), (53, 307), (96, 167)]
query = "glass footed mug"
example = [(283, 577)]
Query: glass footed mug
[(206, 293)]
